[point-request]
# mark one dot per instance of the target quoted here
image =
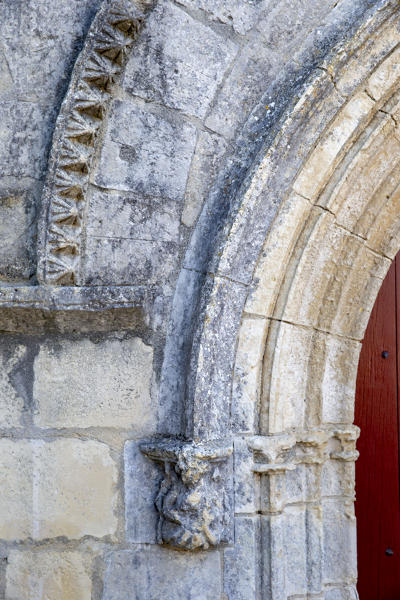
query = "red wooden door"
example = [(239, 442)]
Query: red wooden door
[(377, 469)]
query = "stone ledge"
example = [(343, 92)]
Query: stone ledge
[(54, 298)]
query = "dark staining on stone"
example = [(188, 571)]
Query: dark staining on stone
[(128, 153)]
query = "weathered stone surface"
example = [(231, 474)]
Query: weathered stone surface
[(295, 544), (385, 76), (48, 574), (206, 161), (240, 15), (85, 106), (36, 62), (242, 563), (154, 573), (288, 380), (60, 488), (337, 478), (73, 389), (247, 374), (231, 107), (39, 55), (345, 593), (142, 484), (277, 249), (12, 400), (332, 379), (165, 68), (23, 147), (339, 541), (323, 160), (194, 499), (263, 58), (246, 483), (133, 216), (16, 490), (211, 418), (123, 261), (17, 212), (146, 153)]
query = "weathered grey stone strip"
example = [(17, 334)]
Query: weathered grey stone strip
[(98, 67)]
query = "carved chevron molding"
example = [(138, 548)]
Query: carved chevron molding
[(79, 124)]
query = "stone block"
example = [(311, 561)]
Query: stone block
[(145, 152), (142, 484), (358, 198), (84, 383), (339, 541), (121, 261), (242, 562), (366, 57), (143, 573), (273, 559), (288, 378), (295, 549), (39, 55), (246, 482), (342, 593), (314, 533), (17, 212), (16, 484), (48, 575), (303, 484), (62, 488), (206, 162), (131, 216), (338, 478), (24, 136), (221, 322), (385, 76), (247, 374), (278, 246), (239, 14), (332, 379), (12, 395), (322, 161), (358, 281), (242, 87), (166, 68)]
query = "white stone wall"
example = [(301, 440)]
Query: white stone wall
[(216, 185)]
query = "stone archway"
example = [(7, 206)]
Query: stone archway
[(282, 313)]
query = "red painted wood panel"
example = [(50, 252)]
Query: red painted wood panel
[(377, 469)]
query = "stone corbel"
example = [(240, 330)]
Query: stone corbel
[(195, 496)]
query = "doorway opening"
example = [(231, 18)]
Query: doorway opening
[(377, 469)]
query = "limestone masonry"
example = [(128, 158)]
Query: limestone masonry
[(199, 201)]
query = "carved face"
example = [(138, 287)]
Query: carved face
[(191, 513)]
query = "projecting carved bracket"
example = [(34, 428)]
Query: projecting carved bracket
[(195, 496)]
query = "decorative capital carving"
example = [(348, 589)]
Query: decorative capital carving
[(195, 496)]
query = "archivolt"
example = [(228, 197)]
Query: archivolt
[(310, 245), (286, 305)]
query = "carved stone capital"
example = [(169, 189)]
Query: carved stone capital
[(195, 496)]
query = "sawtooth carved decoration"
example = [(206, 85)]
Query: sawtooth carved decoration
[(78, 128), (195, 496)]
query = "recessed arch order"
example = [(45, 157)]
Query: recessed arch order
[(283, 309)]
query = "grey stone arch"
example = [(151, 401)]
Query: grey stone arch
[(266, 316)]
